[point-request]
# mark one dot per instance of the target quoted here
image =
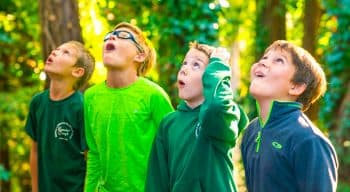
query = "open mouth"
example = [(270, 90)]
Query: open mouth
[(49, 60), (110, 47), (181, 83), (259, 74)]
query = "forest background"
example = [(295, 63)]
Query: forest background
[(30, 29)]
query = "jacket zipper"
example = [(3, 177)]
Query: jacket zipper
[(258, 141)]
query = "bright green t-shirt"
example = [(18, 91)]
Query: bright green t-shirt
[(58, 129), (120, 126)]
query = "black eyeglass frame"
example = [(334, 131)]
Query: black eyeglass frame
[(131, 37)]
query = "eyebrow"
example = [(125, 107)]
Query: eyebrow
[(284, 56), (198, 58)]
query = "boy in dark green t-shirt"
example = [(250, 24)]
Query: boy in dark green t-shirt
[(192, 149), (56, 122)]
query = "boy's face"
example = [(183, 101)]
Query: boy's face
[(120, 48), (271, 76), (189, 78), (61, 61)]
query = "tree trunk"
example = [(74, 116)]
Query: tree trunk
[(311, 23), (270, 24), (59, 23)]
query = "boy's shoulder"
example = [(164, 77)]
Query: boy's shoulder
[(94, 88), (170, 118), (150, 84), (152, 88), (40, 95)]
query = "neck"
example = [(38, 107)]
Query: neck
[(60, 90), (264, 108), (120, 78), (194, 103)]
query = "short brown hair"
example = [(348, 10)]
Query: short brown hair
[(206, 49), (84, 60), (307, 71), (147, 46)]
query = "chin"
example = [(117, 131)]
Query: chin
[(182, 96), (255, 93), (47, 70), (106, 64)]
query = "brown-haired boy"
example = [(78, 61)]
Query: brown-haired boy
[(56, 122), (282, 149)]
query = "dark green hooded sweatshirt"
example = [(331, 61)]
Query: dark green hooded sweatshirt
[(192, 150)]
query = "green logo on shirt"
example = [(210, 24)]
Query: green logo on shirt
[(276, 145)]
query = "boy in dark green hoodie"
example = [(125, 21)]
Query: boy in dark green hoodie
[(192, 149)]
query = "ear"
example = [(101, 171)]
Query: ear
[(297, 89), (140, 57), (78, 72)]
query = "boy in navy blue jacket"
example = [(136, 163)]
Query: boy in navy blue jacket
[(282, 149)]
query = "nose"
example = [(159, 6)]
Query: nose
[(262, 63), (112, 37), (183, 71), (53, 52)]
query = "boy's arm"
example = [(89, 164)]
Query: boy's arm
[(161, 105), (219, 113), (316, 165), (34, 166), (93, 167), (31, 129)]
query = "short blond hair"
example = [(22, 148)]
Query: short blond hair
[(146, 45), (206, 49)]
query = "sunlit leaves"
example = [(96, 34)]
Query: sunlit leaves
[(335, 111)]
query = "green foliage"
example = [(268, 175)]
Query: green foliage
[(179, 25), (4, 175), (20, 48), (335, 111), (337, 59), (19, 68), (13, 139)]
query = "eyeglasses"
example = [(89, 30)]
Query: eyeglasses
[(124, 35)]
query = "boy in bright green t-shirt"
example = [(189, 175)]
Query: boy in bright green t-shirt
[(123, 113)]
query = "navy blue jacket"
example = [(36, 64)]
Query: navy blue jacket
[(288, 153)]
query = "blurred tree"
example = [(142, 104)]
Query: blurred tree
[(59, 21), (270, 23), (311, 21)]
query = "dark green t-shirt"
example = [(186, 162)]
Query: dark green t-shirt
[(58, 129)]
